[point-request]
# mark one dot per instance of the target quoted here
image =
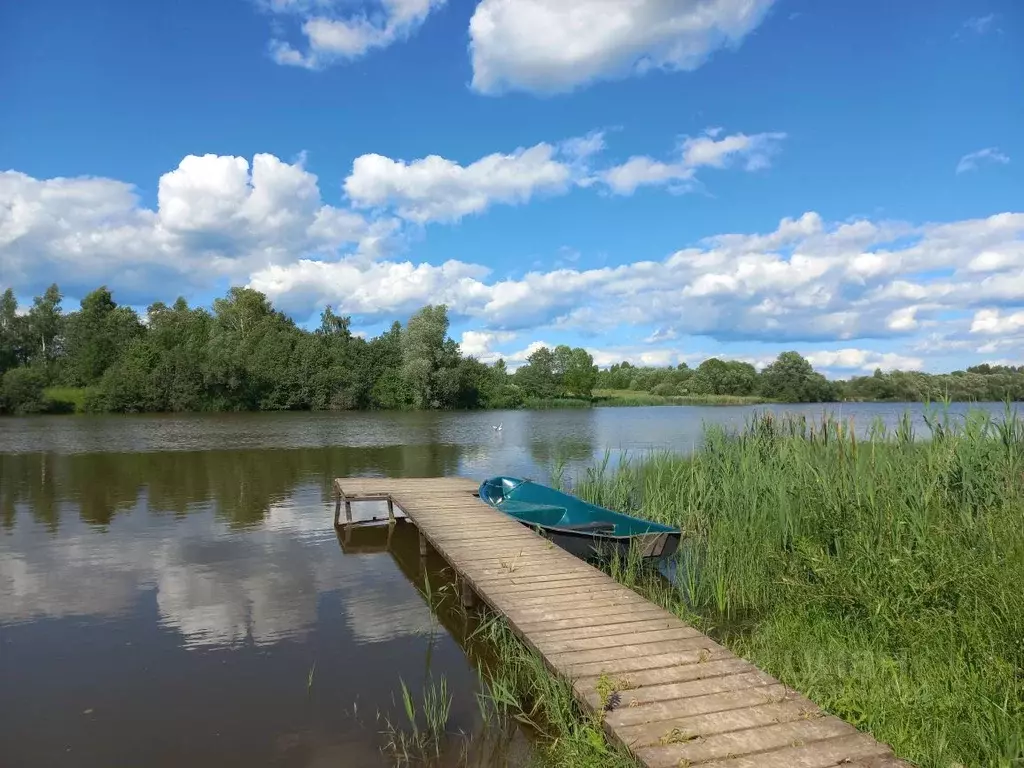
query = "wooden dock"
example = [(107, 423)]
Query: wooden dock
[(670, 694)]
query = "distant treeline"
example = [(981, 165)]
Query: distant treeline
[(792, 379), (245, 355)]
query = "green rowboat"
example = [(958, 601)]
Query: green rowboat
[(586, 530)]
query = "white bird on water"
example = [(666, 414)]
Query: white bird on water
[(498, 427)]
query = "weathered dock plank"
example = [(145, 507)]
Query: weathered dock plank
[(679, 698)]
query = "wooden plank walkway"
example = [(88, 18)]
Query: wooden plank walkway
[(679, 698)]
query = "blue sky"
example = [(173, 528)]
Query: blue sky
[(658, 180)]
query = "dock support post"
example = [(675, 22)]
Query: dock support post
[(348, 511), (467, 594), (391, 511), (423, 546)]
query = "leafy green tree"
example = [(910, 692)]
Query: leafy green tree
[(181, 335), (452, 388), (538, 377), (723, 377), (163, 368), (428, 360), (241, 312), (561, 360), (497, 389), (709, 378), (252, 355), (792, 379), (45, 326), (327, 360), (21, 390), (381, 369), (334, 326), (579, 375), (133, 385), (96, 335), (618, 376), (12, 333), (741, 379), (272, 369), (391, 390), (471, 383)]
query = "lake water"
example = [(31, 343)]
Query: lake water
[(172, 590)]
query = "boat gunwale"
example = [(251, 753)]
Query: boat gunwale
[(592, 535), (661, 529)]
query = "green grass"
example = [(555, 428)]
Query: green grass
[(66, 399), (424, 732), (542, 403), (881, 576), (518, 685), (516, 691), (629, 397)]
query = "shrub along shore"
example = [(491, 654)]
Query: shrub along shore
[(879, 576), (244, 355)]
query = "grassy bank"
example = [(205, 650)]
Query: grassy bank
[(882, 577), (66, 399), (545, 403), (628, 397)]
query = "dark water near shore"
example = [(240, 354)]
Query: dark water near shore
[(167, 583)]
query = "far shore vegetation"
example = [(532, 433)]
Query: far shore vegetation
[(629, 397), (243, 355)]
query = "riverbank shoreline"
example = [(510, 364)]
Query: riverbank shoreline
[(77, 401)]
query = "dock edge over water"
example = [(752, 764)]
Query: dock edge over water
[(670, 694)]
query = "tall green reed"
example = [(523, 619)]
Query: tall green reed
[(423, 734), (516, 684), (878, 570)]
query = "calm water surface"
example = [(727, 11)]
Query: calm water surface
[(167, 583)]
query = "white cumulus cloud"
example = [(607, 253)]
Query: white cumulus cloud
[(694, 152), (216, 217), (437, 189), (641, 171), (798, 282), (709, 150), (992, 321), (852, 359), (903, 319), (480, 344), (333, 38), (381, 288), (550, 46)]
